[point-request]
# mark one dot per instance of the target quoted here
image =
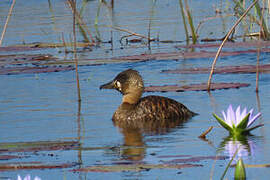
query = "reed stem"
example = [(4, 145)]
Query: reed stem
[(184, 21), (223, 42), (75, 49), (5, 26)]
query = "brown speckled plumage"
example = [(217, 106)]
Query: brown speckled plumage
[(150, 112)]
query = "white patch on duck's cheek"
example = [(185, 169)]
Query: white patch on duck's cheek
[(118, 85)]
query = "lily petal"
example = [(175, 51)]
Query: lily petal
[(252, 119), (225, 119), (250, 112), (224, 115), (244, 113), (230, 115), (237, 115)]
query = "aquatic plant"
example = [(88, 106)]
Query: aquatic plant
[(190, 21), (225, 39), (237, 122), (258, 17), (28, 177), (240, 171)]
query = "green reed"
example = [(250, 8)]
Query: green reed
[(189, 18)]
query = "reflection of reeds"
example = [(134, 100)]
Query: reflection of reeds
[(5, 26)]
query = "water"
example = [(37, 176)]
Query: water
[(43, 107)]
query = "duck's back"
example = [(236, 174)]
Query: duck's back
[(152, 110)]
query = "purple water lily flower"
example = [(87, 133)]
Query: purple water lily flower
[(238, 122), (234, 118)]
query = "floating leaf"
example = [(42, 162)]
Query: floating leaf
[(38, 146), (265, 68), (31, 70), (194, 87), (133, 167), (33, 165)]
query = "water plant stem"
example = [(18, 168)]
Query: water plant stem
[(75, 48), (190, 21), (7, 20), (223, 42), (203, 135), (64, 43), (150, 23), (81, 24), (184, 21), (132, 33), (98, 36), (258, 50)]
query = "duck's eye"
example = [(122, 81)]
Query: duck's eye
[(118, 85)]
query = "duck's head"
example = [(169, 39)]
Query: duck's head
[(129, 83)]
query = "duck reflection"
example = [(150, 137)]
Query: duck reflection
[(244, 144), (134, 145)]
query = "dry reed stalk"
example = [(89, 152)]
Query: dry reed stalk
[(64, 43), (7, 20), (112, 4), (132, 33), (80, 21), (258, 51), (203, 135), (223, 42), (73, 4)]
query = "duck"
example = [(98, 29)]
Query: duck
[(149, 112)]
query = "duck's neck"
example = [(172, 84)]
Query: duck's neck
[(132, 98)]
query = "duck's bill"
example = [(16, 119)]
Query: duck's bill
[(109, 85)]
